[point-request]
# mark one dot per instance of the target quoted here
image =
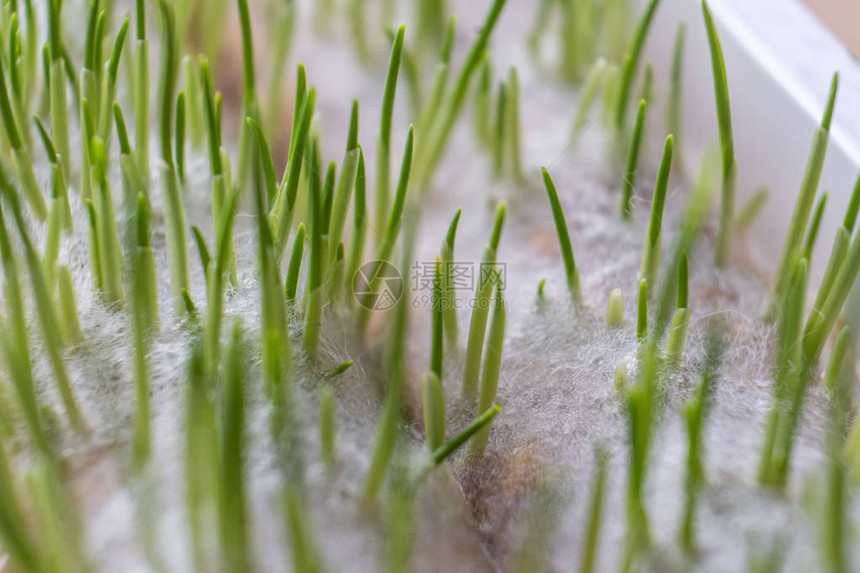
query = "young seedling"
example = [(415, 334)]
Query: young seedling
[(438, 136), (282, 21), (440, 80), (500, 133), (250, 107), (681, 320), (812, 231), (492, 365), (570, 270), (615, 309), (383, 138), (343, 191), (590, 90), (108, 90), (169, 59), (629, 185), (179, 136), (481, 309), (792, 377), (727, 146), (620, 378), (437, 322), (751, 209), (110, 253), (20, 157), (177, 241), (232, 508), (294, 266), (483, 103), (328, 420), (57, 88), (433, 407), (392, 228), (313, 290), (68, 309), (595, 513), (631, 63), (642, 311), (358, 235), (653, 237), (449, 308), (695, 412), (673, 115), (215, 278), (837, 359), (145, 284), (141, 90)]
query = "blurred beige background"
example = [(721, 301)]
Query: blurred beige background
[(843, 17)]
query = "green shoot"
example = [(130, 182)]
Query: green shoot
[(500, 135), (108, 93), (514, 123), (647, 91), (145, 282), (681, 320), (20, 158), (440, 80), (653, 237), (313, 291), (437, 334), (392, 228), (433, 406), (751, 209), (449, 309), (177, 241), (57, 90), (345, 184), (570, 270), (483, 103), (480, 423), (282, 21), (695, 411), (595, 513), (141, 90), (383, 446), (328, 420), (68, 309), (249, 98), (341, 368), (295, 263), (642, 311), (194, 101), (110, 252), (673, 114), (95, 257), (215, 283), (790, 384), (492, 365), (358, 235), (438, 136), (383, 139), (812, 231), (727, 146), (481, 309), (179, 135), (615, 309), (169, 55), (837, 359), (590, 89), (632, 164), (793, 248), (232, 507), (281, 213), (631, 62)]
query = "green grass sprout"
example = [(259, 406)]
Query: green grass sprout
[(433, 101), (316, 266), (383, 138), (169, 55), (793, 247), (449, 309), (68, 308), (837, 359), (673, 114), (433, 407), (481, 309), (141, 89), (751, 209), (145, 283), (110, 252), (295, 263), (108, 93), (328, 421), (177, 241), (343, 192), (358, 235), (249, 98), (215, 287), (642, 311), (620, 378), (437, 322), (480, 423), (179, 136), (590, 90), (570, 270), (631, 63), (491, 366), (438, 137), (815, 223), (500, 133), (483, 103), (653, 238), (392, 228), (632, 163), (615, 309), (727, 146), (681, 320), (595, 513)]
